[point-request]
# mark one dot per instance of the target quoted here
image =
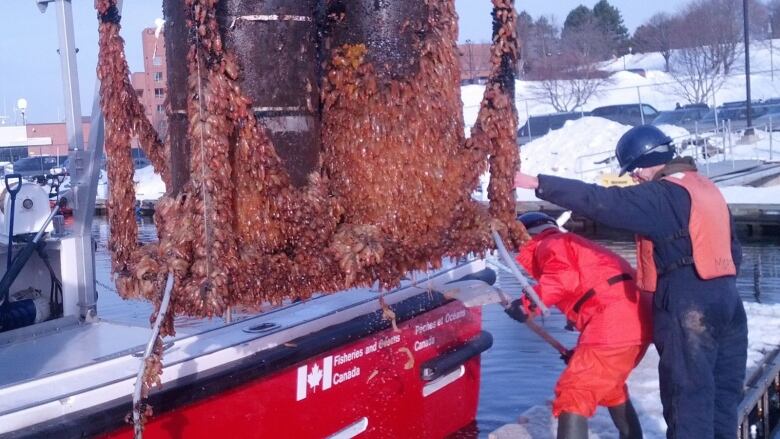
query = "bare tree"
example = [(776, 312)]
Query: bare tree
[(774, 17), (697, 68), (718, 27), (656, 36), (569, 78), (543, 42)]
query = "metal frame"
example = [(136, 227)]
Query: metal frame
[(84, 164), (758, 415)]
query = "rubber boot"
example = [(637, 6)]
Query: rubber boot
[(572, 426), (626, 420)]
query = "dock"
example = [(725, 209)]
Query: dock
[(758, 413), (752, 219)]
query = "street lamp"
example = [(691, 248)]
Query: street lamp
[(21, 105)]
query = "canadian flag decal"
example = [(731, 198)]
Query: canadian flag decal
[(313, 376)]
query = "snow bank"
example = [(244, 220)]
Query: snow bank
[(579, 149), (538, 422), (573, 150), (148, 185), (751, 195)]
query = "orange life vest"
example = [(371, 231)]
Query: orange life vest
[(709, 230)]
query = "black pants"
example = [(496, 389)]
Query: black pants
[(701, 337)]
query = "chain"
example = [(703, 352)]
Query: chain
[(106, 286)]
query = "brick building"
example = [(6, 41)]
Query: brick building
[(52, 138), (150, 83)]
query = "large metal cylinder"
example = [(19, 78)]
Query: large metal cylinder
[(390, 29), (176, 47), (276, 44)]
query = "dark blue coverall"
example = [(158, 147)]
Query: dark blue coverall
[(700, 327)]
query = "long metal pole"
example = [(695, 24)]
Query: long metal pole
[(84, 168), (771, 137), (771, 53), (512, 265), (641, 108), (70, 77), (749, 129)]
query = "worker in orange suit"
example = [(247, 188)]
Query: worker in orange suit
[(596, 291)]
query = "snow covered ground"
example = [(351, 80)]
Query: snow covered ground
[(538, 422)]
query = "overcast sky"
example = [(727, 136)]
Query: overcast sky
[(29, 64)]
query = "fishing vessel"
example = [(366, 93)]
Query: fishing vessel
[(338, 365)]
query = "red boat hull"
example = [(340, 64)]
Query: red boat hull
[(372, 387)]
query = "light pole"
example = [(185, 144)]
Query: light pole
[(471, 62), (625, 55), (771, 53), (748, 135)]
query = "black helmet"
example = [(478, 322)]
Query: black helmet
[(535, 219), (643, 146)]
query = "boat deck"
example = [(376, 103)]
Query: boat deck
[(63, 365)]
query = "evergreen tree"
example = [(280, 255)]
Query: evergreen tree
[(610, 21), (578, 18), (525, 24)]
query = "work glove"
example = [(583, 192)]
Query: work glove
[(516, 311), (567, 356), (529, 305)]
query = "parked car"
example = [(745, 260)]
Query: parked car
[(36, 167), (733, 114), (139, 158), (538, 126), (769, 119), (627, 114), (699, 106), (640, 72), (687, 118)]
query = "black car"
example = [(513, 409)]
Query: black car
[(687, 118), (733, 115), (627, 114), (139, 158), (37, 167), (699, 105), (538, 126), (770, 120)]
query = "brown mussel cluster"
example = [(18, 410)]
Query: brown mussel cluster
[(393, 193)]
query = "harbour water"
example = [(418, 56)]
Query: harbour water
[(520, 370)]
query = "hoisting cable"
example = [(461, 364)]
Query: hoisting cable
[(139, 378)]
